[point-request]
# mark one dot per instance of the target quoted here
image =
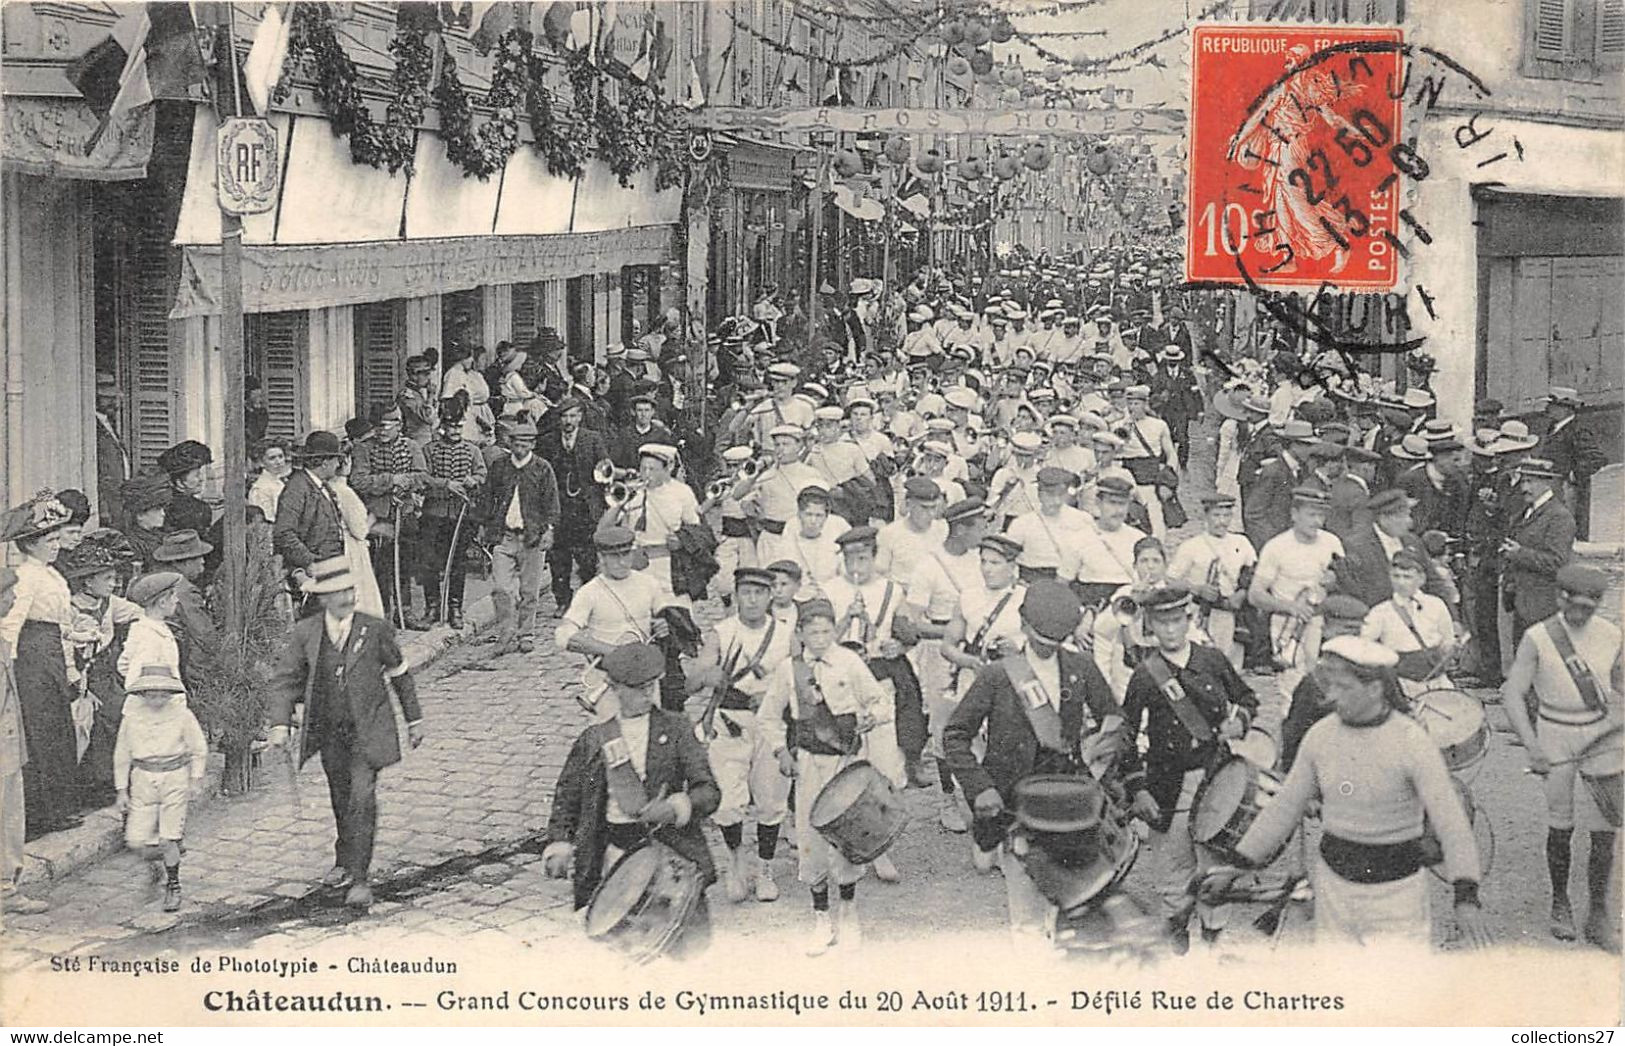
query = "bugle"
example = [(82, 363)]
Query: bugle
[(605, 473), (621, 491)]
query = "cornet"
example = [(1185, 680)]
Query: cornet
[(621, 491), (718, 488), (756, 466), (605, 473)]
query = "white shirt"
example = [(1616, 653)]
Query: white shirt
[(976, 605), (1428, 613), (1050, 541), (669, 506), (776, 491), (515, 519), (941, 579), (264, 493), (149, 642), (1195, 558), (1597, 643), (899, 547), (40, 595), (611, 611), (635, 732), (819, 557), (1288, 567), (844, 680), (735, 639), (1107, 555), (837, 462), (842, 594), (1022, 485)]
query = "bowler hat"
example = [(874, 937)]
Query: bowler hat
[(319, 445)]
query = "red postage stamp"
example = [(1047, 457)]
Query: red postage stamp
[(1296, 153)]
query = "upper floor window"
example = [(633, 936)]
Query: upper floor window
[(1573, 39)]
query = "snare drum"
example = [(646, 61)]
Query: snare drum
[(647, 903), (860, 812), (1457, 725), (1601, 770), (1258, 747), (1229, 801)]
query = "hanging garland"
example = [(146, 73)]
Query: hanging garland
[(563, 141), (409, 89), (884, 56), (1138, 51)]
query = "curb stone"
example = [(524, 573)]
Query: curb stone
[(60, 854)]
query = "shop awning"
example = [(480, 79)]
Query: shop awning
[(344, 233), (47, 137), (283, 278)]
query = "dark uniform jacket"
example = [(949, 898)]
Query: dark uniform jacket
[(1012, 747), (1362, 572), (1572, 450), (1212, 685), (1546, 539), (623, 448), (370, 652), (572, 471), (308, 526), (676, 762), (1267, 507), (1437, 508)]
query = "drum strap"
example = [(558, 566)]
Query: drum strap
[(625, 786), (1041, 715), (756, 658), (1190, 717), (1579, 671), (810, 701), (1410, 623), (987, 626)]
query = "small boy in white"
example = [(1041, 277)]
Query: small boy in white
[(150, 640), (158, 765), (1413, 621)]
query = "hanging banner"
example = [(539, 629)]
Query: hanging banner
[(944, 121)]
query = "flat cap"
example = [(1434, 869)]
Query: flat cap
[(1362, 652), (1167, 598), (634, 664), (753, 576), (788, 567), (738, 455), (1583, 583), (660, 452), (1051, 609), (1055, 476), (1218, 501), (1004, 545), (784, 371), (1026, 442), (1307, 495), (813, 609), (612, 539), (148, 587), (969, 508), (960, 397), (864, 535), (1391, 500), (829, 414), (921, 488), (788, 431), (1114, 487)]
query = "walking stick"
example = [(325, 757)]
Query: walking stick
[(395, 573), (451, 556)]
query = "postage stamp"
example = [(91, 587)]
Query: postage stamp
[(1296, 155)]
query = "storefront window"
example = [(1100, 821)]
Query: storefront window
[(462, 318)]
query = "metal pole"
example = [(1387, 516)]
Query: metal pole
[(815, 200), (233, 524)]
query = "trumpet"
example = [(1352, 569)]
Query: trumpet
[(605, 473), (717, 488), (756, 466), (621, 491)]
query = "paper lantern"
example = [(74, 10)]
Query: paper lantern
[(1036, 156), (897, 149), (1005, 167), (953, 32), (1011, 95), (848, 163), (981, 62), (1012, 76), (978, 32), (1053, 73), (1100, 162), (958, 65), (930, 162), (1003, 31), (973, 169)]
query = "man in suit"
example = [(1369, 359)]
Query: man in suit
[(644, 428), (112, 458), (1439, 487), (341, 665), (1573, 451), (1368, 549), (308, 525), (1539, 541), (573, 450), (638, 777), (1267, 503), (1047, 735), (547, 349)]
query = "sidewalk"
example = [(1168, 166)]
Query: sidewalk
[(61, 854)]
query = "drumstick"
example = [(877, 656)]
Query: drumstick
[(1612, 733)]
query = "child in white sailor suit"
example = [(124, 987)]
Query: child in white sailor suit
[(833, 702), (739, 655)]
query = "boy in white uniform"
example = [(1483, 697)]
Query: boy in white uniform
[(1292, 579), (734, 664), (810, 541), (1413, 622), (833, 701), (616, 606), (158, 764), (1216, 565), (1049, 535)]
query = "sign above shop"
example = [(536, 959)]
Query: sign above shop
[(945, 121), (57, 138), (247, 169)]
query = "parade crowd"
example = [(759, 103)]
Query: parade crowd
[(949, 525)]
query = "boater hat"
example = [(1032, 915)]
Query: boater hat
[(329, 575)]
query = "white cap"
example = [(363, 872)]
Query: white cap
[(660, 451), (1362, 652), (1027, 442)]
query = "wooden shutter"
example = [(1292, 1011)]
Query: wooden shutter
[(1610, 34), (1553, 29), (153, 271), (528, 311), (380, 345), (278, 344)]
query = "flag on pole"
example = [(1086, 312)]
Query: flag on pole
[(693, 88), (490, 20), (160, 60), (263, 67)]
